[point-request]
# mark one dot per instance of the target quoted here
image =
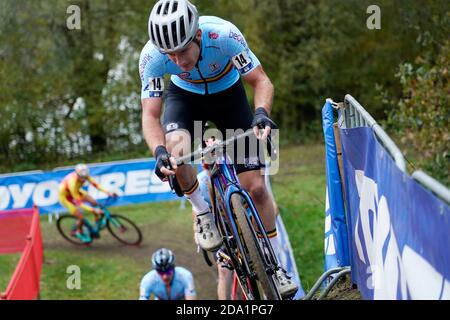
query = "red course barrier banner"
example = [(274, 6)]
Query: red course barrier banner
[(20, 231)]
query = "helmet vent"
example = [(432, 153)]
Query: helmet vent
[(166, 8), (158, 34), (182, 30), (174, 33), (190, 16), (175, 6), (166, 36), (152, 31)]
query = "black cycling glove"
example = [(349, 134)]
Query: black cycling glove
[(162, 160), (262, 119)]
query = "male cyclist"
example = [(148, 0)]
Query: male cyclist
[(72, 196), (166, 281), (206, 57)]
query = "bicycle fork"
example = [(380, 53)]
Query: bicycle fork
[(252, 214)]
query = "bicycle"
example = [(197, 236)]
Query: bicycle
[(250, 255), (120, 227)]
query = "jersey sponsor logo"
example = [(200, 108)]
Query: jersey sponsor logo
[(184, 75), (247, 68), (251, 162), (213, 35), (238, 37), (171, 126), (143, 63), (214, 66), (155, 94)]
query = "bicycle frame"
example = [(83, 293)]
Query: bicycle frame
[(107, 215), (224, 184), (224, 180)]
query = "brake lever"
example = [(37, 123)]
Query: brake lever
[(168, 166), (271, 150)]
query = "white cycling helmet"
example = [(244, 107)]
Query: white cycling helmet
[(82, 170), (172, 24)]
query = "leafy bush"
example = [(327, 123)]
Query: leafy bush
[(421, 118)]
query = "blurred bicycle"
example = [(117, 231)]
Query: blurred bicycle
[(120, 227)]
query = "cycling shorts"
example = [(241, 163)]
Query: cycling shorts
[(69, 202), (228, 109)]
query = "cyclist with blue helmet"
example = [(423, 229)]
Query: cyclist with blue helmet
[(167, 281)]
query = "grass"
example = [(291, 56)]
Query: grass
[(110, 270), (8, 264), (299, 189)]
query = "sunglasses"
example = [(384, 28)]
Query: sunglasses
[(168, 272)]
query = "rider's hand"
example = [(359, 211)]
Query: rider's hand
[(113, 194), (261, 120), (98, 211), (163, 168)]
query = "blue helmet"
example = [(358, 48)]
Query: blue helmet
[(163, 259)]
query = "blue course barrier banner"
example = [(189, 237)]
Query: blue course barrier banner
[(134, 181), (399, 231), (336, 237), (285, 257)]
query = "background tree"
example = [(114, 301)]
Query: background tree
[(67, 94)]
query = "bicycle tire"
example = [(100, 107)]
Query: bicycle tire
[(68, 237), (226, 233), (254, 252), (112, 229)]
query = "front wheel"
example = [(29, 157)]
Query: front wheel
[(264, 280), (124, 230)]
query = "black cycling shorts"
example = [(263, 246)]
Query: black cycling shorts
[(228, 109)]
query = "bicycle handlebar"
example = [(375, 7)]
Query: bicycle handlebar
[(107, 202), (272, 151)]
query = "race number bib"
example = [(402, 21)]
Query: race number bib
[(243, 62), (156, 87)]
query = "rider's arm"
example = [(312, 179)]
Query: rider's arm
[(154, 134), (151, 125), (248, 65), (262, 87), (245, 61), (152, 71), (189, 288), (192, 297), (97, 186), (144, 289)]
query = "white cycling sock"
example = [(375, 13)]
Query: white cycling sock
[(275, 245), (199, 204)]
